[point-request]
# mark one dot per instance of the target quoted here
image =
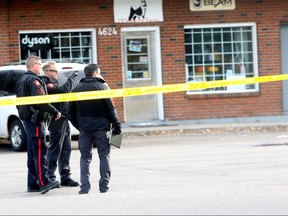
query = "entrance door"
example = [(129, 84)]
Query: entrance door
[(142, 67), (284, 58)]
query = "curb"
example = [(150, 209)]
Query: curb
[(229, 129)]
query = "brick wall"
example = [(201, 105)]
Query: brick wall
[(4, 33), (64, 14)]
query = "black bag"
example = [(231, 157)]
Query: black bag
[(56, 124)]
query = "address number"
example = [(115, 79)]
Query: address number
[(107, 31)]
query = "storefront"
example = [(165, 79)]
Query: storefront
[(155, 42)]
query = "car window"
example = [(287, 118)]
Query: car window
[(3, 78), (2, 93), (11, 81)]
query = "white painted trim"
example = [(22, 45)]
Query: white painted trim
[(137, 29), (56, 30), (94, 46), (215, 25)]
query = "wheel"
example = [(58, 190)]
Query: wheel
[(18, 137)]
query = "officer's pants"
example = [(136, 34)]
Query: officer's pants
[(59, 153), (86, 143), (36, 151)]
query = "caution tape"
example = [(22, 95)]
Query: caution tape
[(138, 91)]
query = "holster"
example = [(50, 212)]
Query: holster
[(35, 115), (45, 116)]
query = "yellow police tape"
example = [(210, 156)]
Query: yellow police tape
[(127, 92)]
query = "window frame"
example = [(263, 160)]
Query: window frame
[(148, 70), (55, 31), (254, 56)]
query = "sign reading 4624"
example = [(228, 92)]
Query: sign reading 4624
[(107, 31)]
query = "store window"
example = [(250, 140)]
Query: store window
[(137, 59), (60, 46), (221, 52)]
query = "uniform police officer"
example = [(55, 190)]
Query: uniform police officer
[(34, 117), (59, 148), (93, 118)]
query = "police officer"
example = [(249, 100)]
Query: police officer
[(34, 117), (59, 148), (93, 119)]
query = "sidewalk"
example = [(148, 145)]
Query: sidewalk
[(262, 123), (223, 125)]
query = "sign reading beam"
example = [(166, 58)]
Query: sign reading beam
[(212, 5)]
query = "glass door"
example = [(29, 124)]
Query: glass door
[(140, 69)]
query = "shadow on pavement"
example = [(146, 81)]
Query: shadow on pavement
[(4, 148)]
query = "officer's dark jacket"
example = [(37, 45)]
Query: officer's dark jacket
[(32, 85), (95, 114), (54, 87)]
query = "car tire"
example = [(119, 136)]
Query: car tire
[(18, 137)]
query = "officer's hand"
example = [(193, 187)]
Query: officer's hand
[(58, 116), (73, 75), (116, 131)]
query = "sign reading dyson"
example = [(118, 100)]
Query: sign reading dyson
[(36, 41)]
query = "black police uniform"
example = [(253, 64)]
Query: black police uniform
[(34, 117), (93, 119), (57, 151)]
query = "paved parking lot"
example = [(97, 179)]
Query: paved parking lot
[(173, 174)]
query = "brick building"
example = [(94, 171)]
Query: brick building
[(155, 42)]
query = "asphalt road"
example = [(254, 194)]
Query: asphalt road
[(243, 173)]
